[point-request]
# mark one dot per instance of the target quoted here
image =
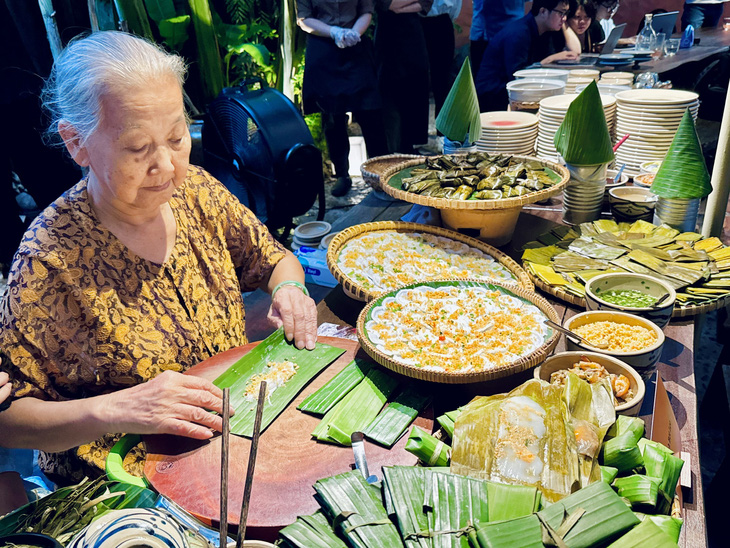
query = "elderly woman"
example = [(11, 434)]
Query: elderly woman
[(133, 275)]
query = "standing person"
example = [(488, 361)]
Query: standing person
[(438, 29), (581, 19), (488, 18), (339, 77), (134, 274), (401, 57), (517, 46), (702, 13)]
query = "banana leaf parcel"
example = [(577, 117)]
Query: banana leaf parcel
[(266, 362)]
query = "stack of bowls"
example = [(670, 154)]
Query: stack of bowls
[(508, 132), (575, 81), (593, 74), (541, 73), (526, 92), (551, 114), (651, 117), (617, 78), (310, 234)]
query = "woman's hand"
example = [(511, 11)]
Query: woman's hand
[(171, 403), (5, 386), (559, 57), (297, 312)]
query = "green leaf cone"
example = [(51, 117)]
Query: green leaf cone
[(459, 116), (683, 173), (583, 139)]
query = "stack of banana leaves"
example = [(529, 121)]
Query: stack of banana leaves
[(364, 398), (478, 176), (697, 268), (420, 507)]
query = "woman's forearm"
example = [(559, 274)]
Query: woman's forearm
[(572, 43), (314, 26), (288, 268), (362, 23)]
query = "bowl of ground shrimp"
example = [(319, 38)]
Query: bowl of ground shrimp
[(626, 384), (632, 339)]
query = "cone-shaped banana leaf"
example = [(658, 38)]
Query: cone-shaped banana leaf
[(683, 173), (284, 367), (583, 139), (523, 437), (459, 117), (647, 533), (357, 511)]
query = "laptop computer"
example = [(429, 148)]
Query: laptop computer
[(608, 46), (665, 22)]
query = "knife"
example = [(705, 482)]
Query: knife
[(361, 463)]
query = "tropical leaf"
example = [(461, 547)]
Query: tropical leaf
[(160, 9), (174, 31)]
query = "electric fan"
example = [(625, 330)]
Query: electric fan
[(257, 144)]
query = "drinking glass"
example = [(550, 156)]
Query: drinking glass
[(659, 45), (671, 46)]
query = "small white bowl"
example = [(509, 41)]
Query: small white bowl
[(566, 360), (644, 361), (325, 243), (529, 90), (312, 232), (553, 74), (632, 203)]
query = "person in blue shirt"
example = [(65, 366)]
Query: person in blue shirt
[(517, 46), (488, 18)]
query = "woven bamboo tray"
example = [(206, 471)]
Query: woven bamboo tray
[(357, 292), (679, 311), (373, 168), (526, 362)]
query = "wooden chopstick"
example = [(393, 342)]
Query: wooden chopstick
[(251, 465), (225, 445)]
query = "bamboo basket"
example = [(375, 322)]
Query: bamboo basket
[(522, 364), (373, 168), (357, 292), (495, 219)]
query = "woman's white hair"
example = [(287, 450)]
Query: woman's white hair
[(88, 66)]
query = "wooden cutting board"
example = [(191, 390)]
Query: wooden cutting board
[(289, 461)]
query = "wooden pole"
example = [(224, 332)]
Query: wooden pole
[(717, 200), (49, 20)]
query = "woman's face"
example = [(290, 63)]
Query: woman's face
[(580, 21), (140, 152)]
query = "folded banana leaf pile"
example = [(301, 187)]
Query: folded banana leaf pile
[(478, 176), (364, 398), (419, 507), (697, 268)]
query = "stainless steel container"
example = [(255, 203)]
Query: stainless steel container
[(455, 147), (583, 197), (679, 213)]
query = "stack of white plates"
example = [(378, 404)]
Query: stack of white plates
[(651, 118), (310, 234), (574, 81), (551, 114), (593, 74), (508, 132), (605, 89), (550, 74)]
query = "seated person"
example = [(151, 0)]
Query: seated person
[(134, 274), (605, 10), (517, 46), (582, 20)]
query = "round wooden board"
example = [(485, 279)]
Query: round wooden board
[(289, 461)]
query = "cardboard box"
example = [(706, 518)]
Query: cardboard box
[(314, 263)]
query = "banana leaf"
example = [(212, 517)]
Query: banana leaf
[(357, 409), (459, 118), (427, 448), (670, 525), (633, 425), (485, 448), (683, 173), (622, 453), (665, 467), (313, 531), (357, 511), (454, 503), (524, 532), (608, 474), (211, 70), (405, 489), (508, 502), (595, 250), (645, 534), (641, 491), (389, 425), (275, 348), (447, 420), (606, 516), (336, 388), (583, 138)]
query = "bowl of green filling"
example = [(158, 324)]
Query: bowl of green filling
[(638, 294)]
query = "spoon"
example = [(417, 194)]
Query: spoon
[(660, 300), (574, 335), (617, 177)]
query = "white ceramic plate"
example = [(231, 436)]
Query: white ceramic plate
[(511, 120), (657, 96)]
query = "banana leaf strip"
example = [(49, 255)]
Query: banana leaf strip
[(605, 225), (595, 250), (489, 435), (524, 532), (670, 525), (641, 491), (572, 262), (427, 448), (313, 531), (606, 516), (357, 409), (244, 376), (608, 474), (405, 488), (631, 266), (645, 534), (357, 511), (336, 388), (507, 501), (394, 420)]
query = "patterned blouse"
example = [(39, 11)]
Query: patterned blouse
[(83, 315)]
